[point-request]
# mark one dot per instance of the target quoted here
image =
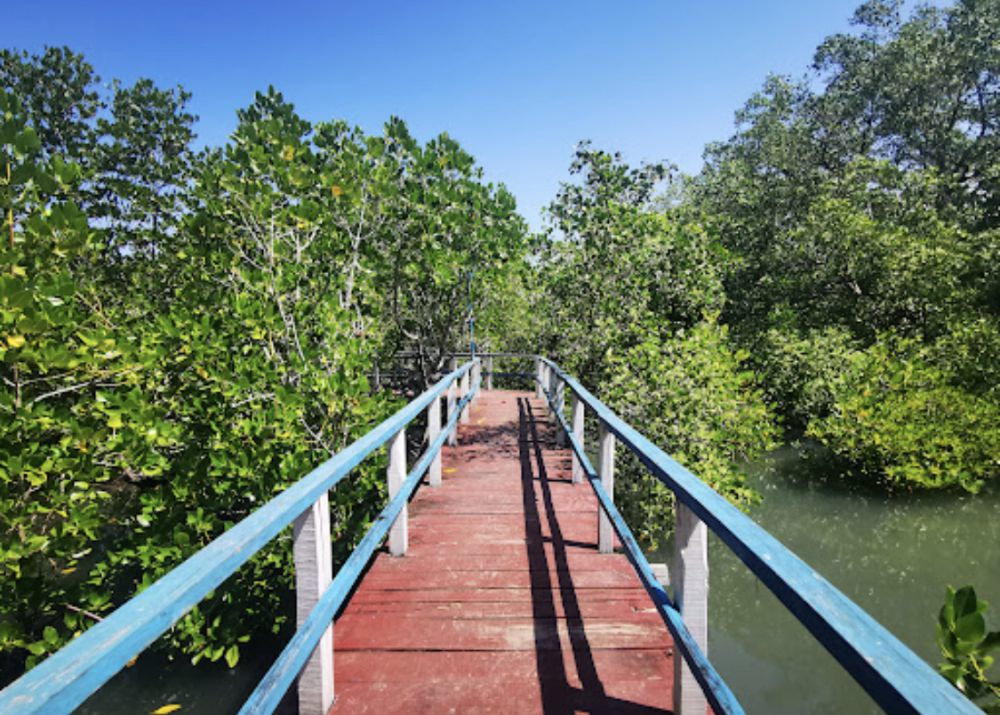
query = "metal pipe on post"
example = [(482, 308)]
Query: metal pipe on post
[(396, 474), (689, 576), (433, 431), (577, 408), (606, 471), (313, 555)]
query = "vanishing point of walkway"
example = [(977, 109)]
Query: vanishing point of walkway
[(503, 603)]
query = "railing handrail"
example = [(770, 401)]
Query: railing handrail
[(69, 676), (466, 353), (272, 687), (893, 675)]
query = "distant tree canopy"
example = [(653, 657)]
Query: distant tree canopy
[(862, 223), (183, 334), (834, 268)]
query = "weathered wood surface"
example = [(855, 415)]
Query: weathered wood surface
[(503, 603)]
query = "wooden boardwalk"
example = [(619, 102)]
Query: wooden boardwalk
[(503, 603)]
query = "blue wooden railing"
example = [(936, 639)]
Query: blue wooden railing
[(63, 681), (896, 678)]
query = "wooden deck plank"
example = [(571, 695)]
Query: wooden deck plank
[(503, 603)]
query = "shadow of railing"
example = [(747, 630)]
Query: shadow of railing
[(558, 694)]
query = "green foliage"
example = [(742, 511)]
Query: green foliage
[(897, 415), (617, 264), (861, 220), (966, 646), (626, 291), (798, 371), (691, 395), (182, 337)]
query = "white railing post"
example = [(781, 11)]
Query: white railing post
[(689, 577), (396, 473), (540, 375), (463, 391), (550, 385), (489, 373), (313, 556), (433, 432), (452, 403), (476, 376), (577, 409), (606, 471), (560, 412)]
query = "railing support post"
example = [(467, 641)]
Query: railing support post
[(606, 471), (489, 373), (560, 400), (550, 385), (433, 432), (396, 473), (452, 402), (475, 376), (464, 419), (577, 409), (540, 378), (689, 577), (313, 556)]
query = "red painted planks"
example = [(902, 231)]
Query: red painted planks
[(502, 603)]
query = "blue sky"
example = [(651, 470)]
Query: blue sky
[(517, 83)]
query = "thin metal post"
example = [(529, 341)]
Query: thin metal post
[(606, 471), (689, 577), (313, 556), (489, 373), (433, 430), (577, 409), (396, 473)]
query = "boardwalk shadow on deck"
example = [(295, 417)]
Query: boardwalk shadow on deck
[(558, 694)]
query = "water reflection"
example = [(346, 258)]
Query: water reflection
[(894, 555)]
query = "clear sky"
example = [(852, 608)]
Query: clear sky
[(517, 82)]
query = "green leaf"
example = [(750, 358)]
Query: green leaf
[(232, 655), (971, 628)]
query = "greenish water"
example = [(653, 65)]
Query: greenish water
[(893, 555)]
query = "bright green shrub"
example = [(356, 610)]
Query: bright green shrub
[(797, 371), (898, 417), (691, 395)]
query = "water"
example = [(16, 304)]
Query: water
[(893, 555), (205, 689)]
